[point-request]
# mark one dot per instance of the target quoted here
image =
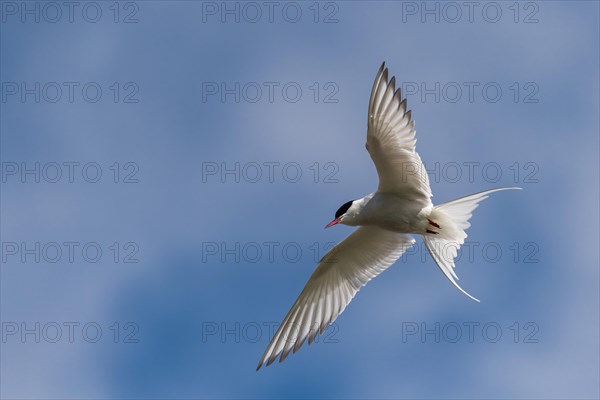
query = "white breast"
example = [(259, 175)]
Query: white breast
[(393, 213)]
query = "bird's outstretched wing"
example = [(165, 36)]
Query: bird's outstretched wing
[(364, 254), (391, 142)]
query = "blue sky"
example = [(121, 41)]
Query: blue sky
[(225, 146)]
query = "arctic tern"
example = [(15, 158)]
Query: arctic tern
[(400, 206)]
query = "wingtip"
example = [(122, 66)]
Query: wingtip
[(260, 363), (381, 69)]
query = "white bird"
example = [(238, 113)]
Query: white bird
[(400, 206)]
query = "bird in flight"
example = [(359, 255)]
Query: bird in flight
[(386, 218)]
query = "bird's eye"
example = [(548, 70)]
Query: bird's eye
[(342, 210)]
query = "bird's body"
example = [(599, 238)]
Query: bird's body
[(401, 206), (391, 212)]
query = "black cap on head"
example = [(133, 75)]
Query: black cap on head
[(342, 210)]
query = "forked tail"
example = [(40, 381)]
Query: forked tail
[(449, 221)]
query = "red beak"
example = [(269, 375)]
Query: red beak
[(334, 222)]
